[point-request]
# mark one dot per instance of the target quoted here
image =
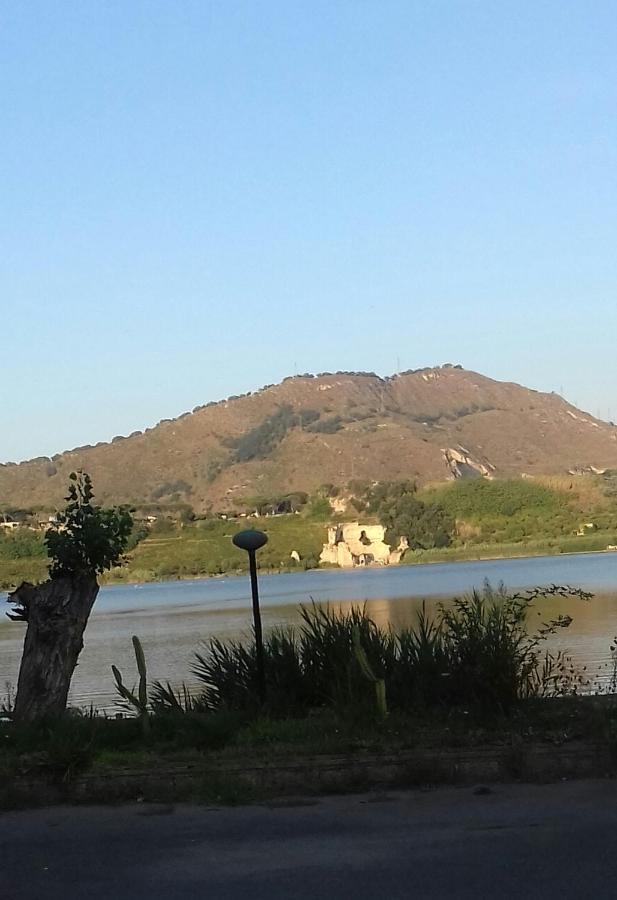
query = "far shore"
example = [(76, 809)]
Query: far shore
[(414, 558), (296, 570)]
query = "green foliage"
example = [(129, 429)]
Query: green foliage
[(319, 508), (508, 511), (205, 548), (171, 489), (425, 525), (327, 648), (137, 534), (86, 538), (278, 505), (421, 665), (61, 748), (229, 672), (480, 498), (476, 654), (259, 442), (137, 701), (164, 698), (307, 416), (609, 483), (494, 661), (23, 543), (13, 572), (328, 490), (163, 525), (327, 426)]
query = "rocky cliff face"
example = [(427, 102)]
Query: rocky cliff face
[(430, 425)]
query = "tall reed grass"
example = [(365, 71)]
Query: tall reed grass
[(476, 653)]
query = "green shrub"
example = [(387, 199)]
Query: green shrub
[(326, 426), (259, 442), (86, 538), (493, 660), (23, 543), (475, 654), (395, 503)]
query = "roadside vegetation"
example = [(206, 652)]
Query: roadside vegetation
[(337, 683), (475, 671)]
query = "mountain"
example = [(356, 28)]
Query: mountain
[(427, 424)]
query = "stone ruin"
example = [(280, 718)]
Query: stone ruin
[(352, 544)]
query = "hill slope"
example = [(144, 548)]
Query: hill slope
[(308, 431)]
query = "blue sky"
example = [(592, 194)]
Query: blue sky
[(201, 197)]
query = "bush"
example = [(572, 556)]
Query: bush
[(163, 526), (326, 426), (259, 442), (425, 525), (493, 660), (319, 508), (229, 673), (476, 654), (479, 498), (136, 536), (21, 544)]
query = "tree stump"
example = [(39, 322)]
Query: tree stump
[(56, 613)]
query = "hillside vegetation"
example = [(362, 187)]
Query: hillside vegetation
[(332, 428), (487, 519)]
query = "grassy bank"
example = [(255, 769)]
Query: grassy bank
[(493, 519), (205, 548), (589, 543), (230, 760), (339, 686), (195, 552)]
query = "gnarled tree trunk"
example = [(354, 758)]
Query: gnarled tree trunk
[(57, 612)]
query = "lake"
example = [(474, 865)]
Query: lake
[(172, 618)]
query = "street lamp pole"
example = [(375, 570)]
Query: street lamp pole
[(251, 540)]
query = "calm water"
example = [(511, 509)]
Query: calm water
[(172, 618)]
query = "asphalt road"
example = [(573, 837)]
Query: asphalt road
[(516, 841)]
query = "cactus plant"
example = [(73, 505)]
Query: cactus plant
[(138, 701)]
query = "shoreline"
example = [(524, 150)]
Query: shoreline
[(295, 570), (489, 556)]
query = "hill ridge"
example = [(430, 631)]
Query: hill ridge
[(334, 427)]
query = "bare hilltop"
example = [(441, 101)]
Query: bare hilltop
[(429, 425)]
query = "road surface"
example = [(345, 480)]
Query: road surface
[(530, 841)]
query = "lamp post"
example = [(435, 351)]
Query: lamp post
[(251, 540)]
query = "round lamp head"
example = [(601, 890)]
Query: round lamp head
[(250, 540)]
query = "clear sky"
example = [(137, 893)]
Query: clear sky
[(197, 198)]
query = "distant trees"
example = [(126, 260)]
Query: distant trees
[(425, 525), (172, 489), (326, 426), (85, 541), (259, 442), (480, 499), (278, 505)]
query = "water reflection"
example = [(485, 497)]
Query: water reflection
[(172, 619)]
